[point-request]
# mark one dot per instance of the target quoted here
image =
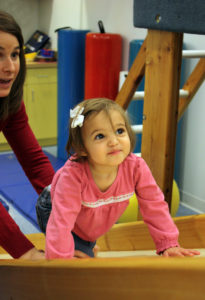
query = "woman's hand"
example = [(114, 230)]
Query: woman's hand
[(180, 252), (33, 254)]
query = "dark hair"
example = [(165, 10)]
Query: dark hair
[(11, 103), (94, 106)]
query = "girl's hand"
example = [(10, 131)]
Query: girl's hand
[(180, 252), (33, 254)]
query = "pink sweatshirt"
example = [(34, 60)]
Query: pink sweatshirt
[(79, 206)]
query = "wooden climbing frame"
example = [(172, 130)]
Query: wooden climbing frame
[(159, 59)]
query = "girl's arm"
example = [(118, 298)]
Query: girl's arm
[(156, 214), (66, 205), (155, 211)]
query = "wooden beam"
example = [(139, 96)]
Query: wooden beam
[(135, 235), (192, 85), (133, 79), (118, 279), (111, 278), (162, 75)]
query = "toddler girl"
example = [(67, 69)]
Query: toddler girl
[(92, 190)]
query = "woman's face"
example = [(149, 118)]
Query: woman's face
[(9, 62)]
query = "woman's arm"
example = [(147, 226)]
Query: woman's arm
[(37, 168), (34, 162), (11, 238), (14, 241)]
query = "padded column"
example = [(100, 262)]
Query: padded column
[(135, 108), (103, 65), (71, 68)]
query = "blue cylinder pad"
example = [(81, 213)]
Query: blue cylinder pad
[(71, 67), (135, 109)]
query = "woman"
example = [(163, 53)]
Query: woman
[(15, 127)]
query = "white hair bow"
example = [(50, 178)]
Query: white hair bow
[(77, 117)]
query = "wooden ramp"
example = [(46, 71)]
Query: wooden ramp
[(116, 278), (112, 278)]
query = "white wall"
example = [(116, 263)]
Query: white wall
[(192, 166), (25, 12), (54, 14)]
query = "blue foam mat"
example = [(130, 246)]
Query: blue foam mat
[(16, 188)]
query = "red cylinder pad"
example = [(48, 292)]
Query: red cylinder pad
[(103, 56)]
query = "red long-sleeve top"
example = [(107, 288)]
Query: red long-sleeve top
[(36, 166)]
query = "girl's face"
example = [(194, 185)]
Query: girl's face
[(106, 139), (9, 62)]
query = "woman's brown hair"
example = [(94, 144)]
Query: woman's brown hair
[(11, 103), (90, 107)]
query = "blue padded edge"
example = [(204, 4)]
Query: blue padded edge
[(175, 15), (16, 188)]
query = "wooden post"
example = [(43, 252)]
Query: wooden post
[(162, 75)]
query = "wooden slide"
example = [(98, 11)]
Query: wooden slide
[(145, 276)]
